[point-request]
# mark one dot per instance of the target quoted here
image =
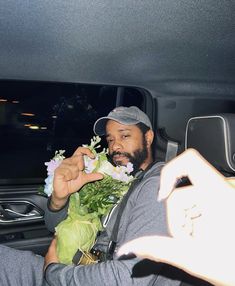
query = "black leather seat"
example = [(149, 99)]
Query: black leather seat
[(214, 137)]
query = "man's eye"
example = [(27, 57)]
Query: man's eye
[(125, 136)]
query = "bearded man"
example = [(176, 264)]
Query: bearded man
[(129, 137)]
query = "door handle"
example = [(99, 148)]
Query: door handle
[(18, 211)]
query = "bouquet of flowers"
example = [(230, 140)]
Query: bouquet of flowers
[(86, 207)]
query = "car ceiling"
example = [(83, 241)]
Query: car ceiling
[(158, 45)]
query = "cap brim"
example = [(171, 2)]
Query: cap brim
[(100, 125)]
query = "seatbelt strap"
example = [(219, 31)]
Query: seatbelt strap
[(171, 151), (113, 238)]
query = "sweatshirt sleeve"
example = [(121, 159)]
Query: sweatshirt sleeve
[(53, 218), (143, 215)]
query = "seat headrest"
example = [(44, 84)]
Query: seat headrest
[(214, 137)]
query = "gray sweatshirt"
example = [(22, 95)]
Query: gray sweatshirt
[(143, 215)]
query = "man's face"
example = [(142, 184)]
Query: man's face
[(126, 143)]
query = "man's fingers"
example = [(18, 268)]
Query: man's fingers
[(71, 167), (67, 173), (192, 165), (183, 211), (75, 160), (157, 248), (161, 249), (78, 157), (72, 173), (195, 257), (94, 177), (81, 151)]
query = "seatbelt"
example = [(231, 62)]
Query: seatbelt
[(113, 238), (171, 151)]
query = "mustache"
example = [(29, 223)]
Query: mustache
[(120, 154)]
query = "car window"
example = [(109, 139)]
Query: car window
[(38, 118)]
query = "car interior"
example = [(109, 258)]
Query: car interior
[(202, 131), (63, 64)]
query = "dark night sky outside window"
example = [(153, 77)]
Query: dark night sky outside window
[(38, 118)]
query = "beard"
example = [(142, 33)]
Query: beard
[(137, 158)]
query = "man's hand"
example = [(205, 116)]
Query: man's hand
[(200, 219), (70, 177), (51, 256)]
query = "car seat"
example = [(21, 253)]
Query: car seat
[(214, 137)]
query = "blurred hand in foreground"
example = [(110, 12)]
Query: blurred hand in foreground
[(200, 220)]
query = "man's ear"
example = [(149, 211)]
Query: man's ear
[(149, 135)]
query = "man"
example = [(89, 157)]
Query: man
[(129, 136)]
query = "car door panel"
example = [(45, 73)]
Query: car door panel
[(22, 219)]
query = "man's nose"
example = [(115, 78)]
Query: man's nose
[(116, 145)]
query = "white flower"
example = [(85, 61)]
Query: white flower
[(90, 164), (129, 167), (49, 185), (120, 173), (106, 168), (51, 166)]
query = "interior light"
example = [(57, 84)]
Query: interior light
[(34, 127), (27, 125), (3, 100), (15, 101), (54, 116), (27, 114), (43, 127)]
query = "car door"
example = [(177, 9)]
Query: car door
[(36, 120), (21, 218)]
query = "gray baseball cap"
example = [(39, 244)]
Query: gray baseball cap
[(124, 115)]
